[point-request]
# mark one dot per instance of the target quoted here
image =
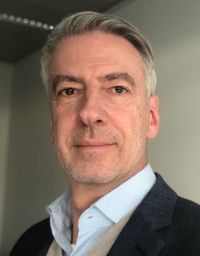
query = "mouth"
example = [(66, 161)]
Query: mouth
[(93, 145)]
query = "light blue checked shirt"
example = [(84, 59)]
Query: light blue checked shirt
[(101, 215)]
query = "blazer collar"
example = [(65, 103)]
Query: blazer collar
[(140, 235)]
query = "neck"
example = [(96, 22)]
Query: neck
[(82, 197)]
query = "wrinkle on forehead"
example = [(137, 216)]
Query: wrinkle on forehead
[(99, 54)]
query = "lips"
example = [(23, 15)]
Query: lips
[(93, 144)]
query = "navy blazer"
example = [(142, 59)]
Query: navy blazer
[(164, 224)]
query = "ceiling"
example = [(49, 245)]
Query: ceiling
[(17, 39)]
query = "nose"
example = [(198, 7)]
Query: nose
[(92, 111)]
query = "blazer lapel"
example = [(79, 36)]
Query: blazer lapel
[(141, 235)]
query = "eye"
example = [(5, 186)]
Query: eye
[(67, 91), (119, 89)]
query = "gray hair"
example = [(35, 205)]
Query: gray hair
[(84, 22)]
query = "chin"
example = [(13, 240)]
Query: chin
[(101, 177)]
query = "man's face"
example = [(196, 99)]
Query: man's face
[(101, 117)]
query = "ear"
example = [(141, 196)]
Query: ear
[(154, 119), (52, 134)]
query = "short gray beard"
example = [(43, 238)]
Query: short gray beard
[(81, 178)]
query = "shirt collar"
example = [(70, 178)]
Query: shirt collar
[(113, 206), (127, 196), (117, 203), (61, 206)]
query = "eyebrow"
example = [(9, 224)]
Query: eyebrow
[(108, 77), (60, 78), (119, 76)]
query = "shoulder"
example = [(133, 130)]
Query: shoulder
[(187, 214), (35, 240), (178, 219), (187, 206), (183, 235)]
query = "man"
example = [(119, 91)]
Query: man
[(100, 78)]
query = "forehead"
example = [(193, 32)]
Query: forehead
[(96, 50)]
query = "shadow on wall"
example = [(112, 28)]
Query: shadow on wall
[(33, 177)]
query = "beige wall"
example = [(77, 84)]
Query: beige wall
[(173, 27), (33, 177)]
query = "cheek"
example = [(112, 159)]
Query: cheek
[(125, 122), (133, 124), (62, 125)]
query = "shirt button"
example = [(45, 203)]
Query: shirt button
[(90, 217)]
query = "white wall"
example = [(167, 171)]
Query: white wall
[(173, 27), (6, 75)]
